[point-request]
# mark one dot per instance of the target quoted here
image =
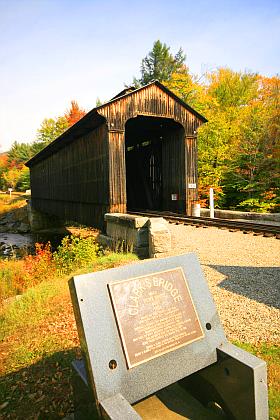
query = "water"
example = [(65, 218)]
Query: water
[(17, 244)]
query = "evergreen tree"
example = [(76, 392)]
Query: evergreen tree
[(160, 64), (19, 153)]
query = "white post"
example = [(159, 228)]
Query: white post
[(211, 203)]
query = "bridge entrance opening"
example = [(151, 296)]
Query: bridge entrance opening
[(155, 164)]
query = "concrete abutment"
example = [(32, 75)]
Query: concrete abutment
[(147, 237), (41, 221)]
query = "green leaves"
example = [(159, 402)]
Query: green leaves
[(13, 173), (75, 252), (51, 129), (238, 147), (232, 89), (160, 64), (19, 153)]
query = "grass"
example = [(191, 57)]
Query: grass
[(38, 343), (14, 202), (30, 308), (74, 252), (38, 336), (33, 305), (271, 354)]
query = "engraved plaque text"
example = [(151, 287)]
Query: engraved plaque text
[(155, 314)]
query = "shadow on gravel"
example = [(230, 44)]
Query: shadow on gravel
[(258, 283)]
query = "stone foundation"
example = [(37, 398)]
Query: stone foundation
[(40, 221), (159, 237), (15, 221), (147, 237), (125, 232)]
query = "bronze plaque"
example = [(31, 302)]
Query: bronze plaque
[(155, 315)]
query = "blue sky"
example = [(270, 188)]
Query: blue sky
[(53, 51)]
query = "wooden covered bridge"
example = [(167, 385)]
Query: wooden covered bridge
[(137, 151)]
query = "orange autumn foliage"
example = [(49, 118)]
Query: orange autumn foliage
[(74, 114), (38, 266)]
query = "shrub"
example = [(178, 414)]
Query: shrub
[(40, 266), (74, 252), (16, 276), (256, 205)]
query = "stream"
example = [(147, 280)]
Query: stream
[(20, 244)]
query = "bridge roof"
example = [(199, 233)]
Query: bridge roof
[(93, 119)]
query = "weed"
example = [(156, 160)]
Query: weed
[(39, 266), (122, 246), (29, 309), (11, 272), (271, 354), (16, 276), (259, 206), (74, 252), (114, 259)]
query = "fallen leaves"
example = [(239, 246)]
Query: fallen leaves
[(40, 388)]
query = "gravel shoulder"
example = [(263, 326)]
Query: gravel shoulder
[(243, 274)]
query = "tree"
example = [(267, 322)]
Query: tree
[(187, 88), (253, 181), (74, 114), (19, 153), (225, 100), (3, 168), (98, 102), (23, 182), (50, 129), (232, 89), (160, 64), (11, 177)]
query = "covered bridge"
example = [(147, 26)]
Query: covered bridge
[(137, 151)]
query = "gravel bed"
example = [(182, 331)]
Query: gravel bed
[(243, 274)]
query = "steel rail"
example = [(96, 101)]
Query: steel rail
[(268, 230)]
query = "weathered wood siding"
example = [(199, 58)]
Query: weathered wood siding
[(73, 183), (117, 172), (173, 171), (152, 101), (82, 175)]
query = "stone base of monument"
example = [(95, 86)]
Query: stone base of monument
[(154, 348), (172, 402), (147, 237)]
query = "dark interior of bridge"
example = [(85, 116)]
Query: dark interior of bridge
[(148, 157)]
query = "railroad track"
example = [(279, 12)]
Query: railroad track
[(231, 225)]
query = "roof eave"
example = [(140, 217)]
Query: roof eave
[(53, 146), (166, 90), (69, 134)]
